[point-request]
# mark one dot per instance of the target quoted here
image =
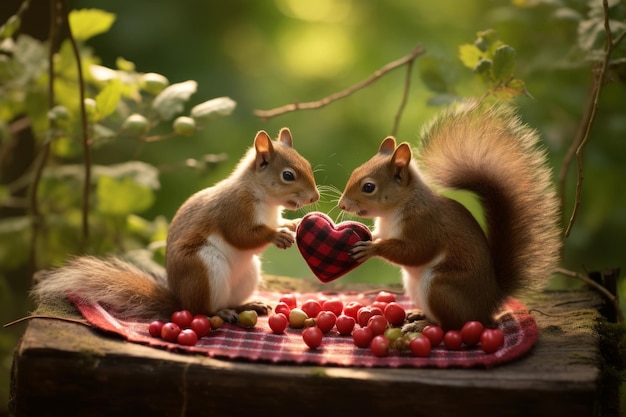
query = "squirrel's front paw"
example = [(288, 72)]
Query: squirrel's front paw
[(283, 238), (362, 250), (291, 224)]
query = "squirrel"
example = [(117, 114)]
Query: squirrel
[(213, 243), (452, 270)]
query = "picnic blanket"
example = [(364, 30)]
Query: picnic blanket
[(261, 344)]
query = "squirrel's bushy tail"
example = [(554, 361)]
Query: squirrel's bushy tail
[(129, 290), (489, 151)]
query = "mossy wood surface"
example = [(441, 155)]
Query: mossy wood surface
[(67, 369)]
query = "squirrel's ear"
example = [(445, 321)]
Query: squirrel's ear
[(264, 149), (387, 146), (285, 136), (402, 155)]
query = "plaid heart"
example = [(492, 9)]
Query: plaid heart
[(324, 245)]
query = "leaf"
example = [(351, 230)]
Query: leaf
[(140, 172), (172, 99), (212, 109), (87, 23), (470, 55), (503, 63), (108, 98), (124, 65), (122, 196), (433, 74), (483, 67)]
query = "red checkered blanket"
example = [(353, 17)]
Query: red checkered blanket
[(260, 344)]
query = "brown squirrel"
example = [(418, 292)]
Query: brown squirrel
[(212, 244), (452, 270)]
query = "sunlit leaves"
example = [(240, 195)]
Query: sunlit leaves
[(87, 23), (122, 196), (108, 98), (212, 109), (494, 62), (171, 101)]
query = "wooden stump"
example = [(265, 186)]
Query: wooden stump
[(66, 369)]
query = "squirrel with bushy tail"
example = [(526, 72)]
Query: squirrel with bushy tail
[(452, 270), (213, 243)]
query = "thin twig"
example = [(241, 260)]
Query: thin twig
[(267, 114), (44, 316), (405, 97), (84, 126), (611, 297), (599, 83)]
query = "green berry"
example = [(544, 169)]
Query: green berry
[(135, 125), (184, 126), (153, 83)]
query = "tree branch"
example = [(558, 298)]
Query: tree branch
[(405, 97), (84, 125), (599, 81), (267, 114), (606, 293)]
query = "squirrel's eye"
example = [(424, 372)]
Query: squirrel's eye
[(368, 187), (288, 176)]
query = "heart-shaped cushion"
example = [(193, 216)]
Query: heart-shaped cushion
[(324, 245)]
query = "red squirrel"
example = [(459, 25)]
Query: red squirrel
[(213, 242), (452, 270)]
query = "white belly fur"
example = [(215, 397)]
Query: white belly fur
[(417, 282), (235, 274)]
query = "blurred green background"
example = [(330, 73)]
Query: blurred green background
[(267, 54)]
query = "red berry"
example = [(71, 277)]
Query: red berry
[(333, 304), (364, 314), (434, 334), (345, 324), (491, 340), (283, 307), (471, 332), (326, 321), (187, 337), (379, 304), (311, 307), (290, 300), (312, 336), (201, 325), (420, 346), (182, 318), (380, 345), (394, 313), (278, 322), (170, 331), (385, 296), (378, 324), (155, 328), (453, 340), (352, 309), (362, 336)]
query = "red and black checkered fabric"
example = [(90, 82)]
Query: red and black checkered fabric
[(261, 344), (324, 245)]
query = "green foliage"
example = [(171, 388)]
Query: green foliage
[(120, 104), (494, 62)]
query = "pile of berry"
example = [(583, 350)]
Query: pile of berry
[(185, 328), (376, 326)]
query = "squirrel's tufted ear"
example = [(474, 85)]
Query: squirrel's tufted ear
[(285, 136), (264, 149), (387, 146), (402, 155)]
